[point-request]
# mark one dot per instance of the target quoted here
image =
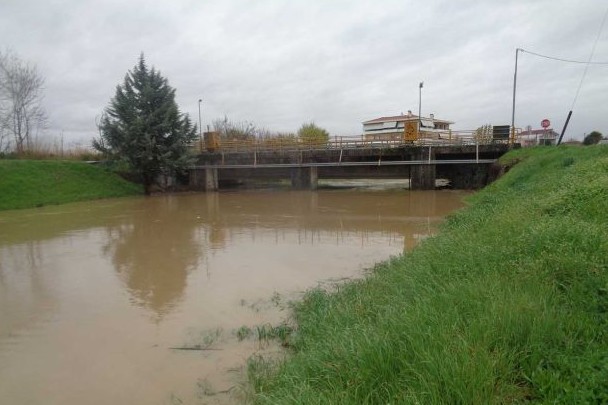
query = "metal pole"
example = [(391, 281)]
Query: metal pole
[(514, 90), (200, 125), (564, 129), (420, 103)]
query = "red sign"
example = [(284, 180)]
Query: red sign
[(545, 123)]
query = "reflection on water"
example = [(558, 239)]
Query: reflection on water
[(153, 252), (93, 295)]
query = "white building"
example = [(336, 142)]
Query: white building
[(393, 128), (533, 137)]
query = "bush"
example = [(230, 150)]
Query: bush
[(593, 138), (312, 134)]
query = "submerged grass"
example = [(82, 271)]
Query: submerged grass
[(508, 304), (29, 183)]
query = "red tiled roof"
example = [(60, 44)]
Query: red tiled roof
[(400, 118)]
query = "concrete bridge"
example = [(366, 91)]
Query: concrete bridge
[(465, 166)]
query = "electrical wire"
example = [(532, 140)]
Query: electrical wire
[(562, 60), (599, 33), (586, 63)]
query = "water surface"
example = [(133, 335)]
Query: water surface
[(94, 295)]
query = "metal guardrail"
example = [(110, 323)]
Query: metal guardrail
[(343, 164), (340, 163), (435, 138)]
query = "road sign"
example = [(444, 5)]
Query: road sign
[(500, 132), (411, 130), (545, 123)]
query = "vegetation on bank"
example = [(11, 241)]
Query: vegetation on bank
[(35, 183), (508, 304)]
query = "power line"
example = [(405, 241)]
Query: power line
[(587, 63), (563, 60), (599, 33)]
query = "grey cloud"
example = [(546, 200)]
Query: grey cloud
[(278, 64)]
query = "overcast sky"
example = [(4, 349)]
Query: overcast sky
[(278, 64)]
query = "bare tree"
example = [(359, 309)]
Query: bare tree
[(21, 111), (5, 141), (238, 131)]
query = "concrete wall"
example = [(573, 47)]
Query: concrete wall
[(465, 176)]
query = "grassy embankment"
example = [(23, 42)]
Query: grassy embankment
[(508, 304), (34, 183)]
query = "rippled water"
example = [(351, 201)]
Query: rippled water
[(94, 295)]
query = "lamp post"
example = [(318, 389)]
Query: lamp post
[(514, 89), (420, 102), (200, 124)]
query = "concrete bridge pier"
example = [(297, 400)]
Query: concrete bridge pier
[(304, 178), (422, 177), (204, 179)]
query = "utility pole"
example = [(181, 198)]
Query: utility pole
[(514, 90), (200, 124), (420, 103)]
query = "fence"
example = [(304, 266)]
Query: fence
[(434, 138)]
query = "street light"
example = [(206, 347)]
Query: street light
[(420, 102), (514, 89), (200, 124)]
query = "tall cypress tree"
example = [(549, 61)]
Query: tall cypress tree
[(144, 127)]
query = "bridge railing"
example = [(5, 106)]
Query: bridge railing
[(428, 138)]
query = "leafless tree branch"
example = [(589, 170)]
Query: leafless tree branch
[(21, 94)]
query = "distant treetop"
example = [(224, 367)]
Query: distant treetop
[(593, 138)]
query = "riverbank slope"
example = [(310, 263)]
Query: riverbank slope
[(508, 304), (35, 183)]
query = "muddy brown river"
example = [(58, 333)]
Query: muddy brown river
[(96, 296)]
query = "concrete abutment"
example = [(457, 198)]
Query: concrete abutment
[(466, 176), (204, 179)]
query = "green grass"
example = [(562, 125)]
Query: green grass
[(28, 183), (508, 304)]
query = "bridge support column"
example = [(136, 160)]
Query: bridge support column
[(422, 177), (304, 178), (204, 179)]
